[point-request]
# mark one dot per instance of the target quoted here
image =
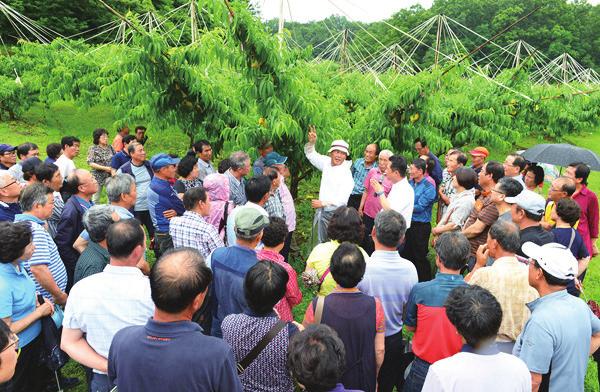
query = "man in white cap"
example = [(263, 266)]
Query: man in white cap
[(336, 182), (527, 211), (562, 331)]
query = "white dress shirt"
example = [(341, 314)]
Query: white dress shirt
[(336, 182), (402, 199), (102, 304)]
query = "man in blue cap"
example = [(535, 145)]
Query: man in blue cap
[(8, 156), (163, 201)]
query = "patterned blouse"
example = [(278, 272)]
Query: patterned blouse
[(100, 156), (268, 372)]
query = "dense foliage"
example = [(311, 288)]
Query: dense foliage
[(236, 86)]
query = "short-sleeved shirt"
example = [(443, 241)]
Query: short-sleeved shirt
[(562, 235), (507, 279), (459, 208), (402, 199), (309, 316), (359, 173), (172, 360), (237, 192), (45, 253), (474, 371), (18, 299), (557, 338), (320, 259), (372, 203), (390, 278), (268, 372), (435, 337), (142, 183), (65, 165), (485, 211), (230, 233), (104, 303), (535, 234), (92, 261)]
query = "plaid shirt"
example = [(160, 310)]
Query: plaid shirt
[(274, 206), (191, 230), (359, 173), (237, 192)]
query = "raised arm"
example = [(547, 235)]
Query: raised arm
[(317, 160)]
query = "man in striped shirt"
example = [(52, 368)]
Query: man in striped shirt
[(45, 265)]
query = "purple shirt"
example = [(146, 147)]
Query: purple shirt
[(340, 388), (372, 204)]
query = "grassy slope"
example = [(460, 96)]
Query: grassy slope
[(43, 126)]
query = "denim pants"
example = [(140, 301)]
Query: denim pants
[(100, 383), (416, 377)]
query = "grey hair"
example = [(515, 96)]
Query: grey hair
[(96, 220), (131, 147), (390, 227), (387, 153), (453, 249), (118, 185), (507, 234), (4, 178), (33, 195), (238, 159)]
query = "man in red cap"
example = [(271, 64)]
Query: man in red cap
[(478, 157)]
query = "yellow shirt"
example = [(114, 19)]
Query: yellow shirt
[(548, 214), (320, 259), (507, 280)]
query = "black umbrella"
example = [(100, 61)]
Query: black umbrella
[(562, 155)]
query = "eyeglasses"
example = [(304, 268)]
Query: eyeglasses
[(497, 191), (6, 186), (14, 343)]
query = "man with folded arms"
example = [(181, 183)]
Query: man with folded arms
[(562, 331)]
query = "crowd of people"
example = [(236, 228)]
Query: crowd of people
[(497, 310)]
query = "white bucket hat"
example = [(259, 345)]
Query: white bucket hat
[(339, 145)]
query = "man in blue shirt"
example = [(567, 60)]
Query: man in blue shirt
[(417, 236), (562, 331), (163, 201), (122, 157), (9, 197), (230, 264), (189, 360), (360, 169), (423, 149)]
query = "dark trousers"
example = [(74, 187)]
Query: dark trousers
[(285, 251), (354, 201), (162, 243), (367, 243), (30, 373), (100, 383), (416, 377), (416, 246), (391, 373), (144, 218)]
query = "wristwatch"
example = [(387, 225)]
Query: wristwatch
[(378, 194)]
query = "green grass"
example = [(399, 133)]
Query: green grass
[(47, 125)]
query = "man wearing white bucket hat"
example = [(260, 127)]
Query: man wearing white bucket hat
[(336, 182), (562, 331)]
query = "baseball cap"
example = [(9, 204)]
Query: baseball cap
[(274, 158), (30, 163), (339, 145), (555, 259), (250, 221), (6, 148), (480, 152), (161, 160), (529, 201)]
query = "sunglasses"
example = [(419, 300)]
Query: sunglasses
[(14, 343)]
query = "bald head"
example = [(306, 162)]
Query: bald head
[(561, 187), (178, 278)]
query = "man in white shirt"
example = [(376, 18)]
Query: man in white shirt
[(402, 196), (513, 167), (70, 145), (336, 182), (390, 278), (480, 366), (258, 190), (102, 304)]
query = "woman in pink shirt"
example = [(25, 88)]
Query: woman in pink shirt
[(217, 186), (370, 204), (273, 238)]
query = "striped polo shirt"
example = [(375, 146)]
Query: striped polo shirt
[(45, 253)]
